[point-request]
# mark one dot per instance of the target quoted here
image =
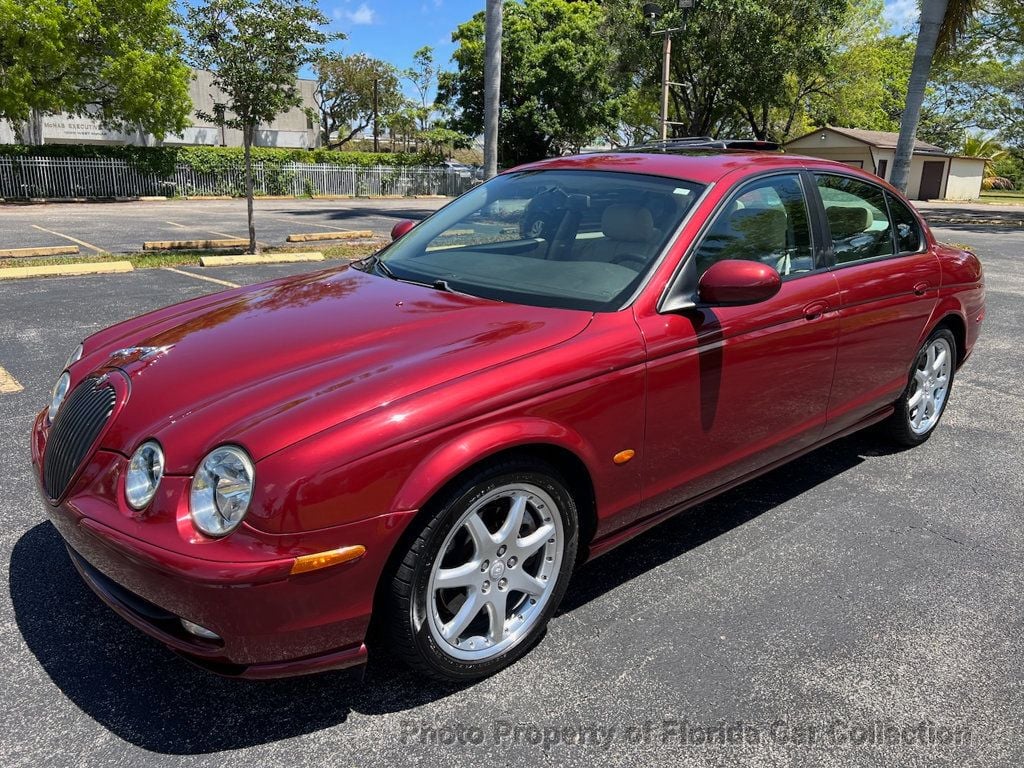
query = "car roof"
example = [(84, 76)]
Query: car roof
[(702, 166)]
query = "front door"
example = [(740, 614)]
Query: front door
[(733, 389), (931, 179)]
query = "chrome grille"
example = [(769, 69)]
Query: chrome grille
[(79, 422)]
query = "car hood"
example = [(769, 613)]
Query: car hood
[(268, 365)]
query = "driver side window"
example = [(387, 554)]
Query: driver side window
[(765, 221)]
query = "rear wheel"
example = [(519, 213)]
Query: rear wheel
[(924, 400), (484, 575)]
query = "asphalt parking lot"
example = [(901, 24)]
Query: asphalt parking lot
[(790, 621), (123, 227)]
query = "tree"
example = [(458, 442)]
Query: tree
[(739, 66), (556, 91), (118, 62), (942, 21), (254, 50), (423, 76), (344, 94)]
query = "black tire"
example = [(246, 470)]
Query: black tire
[(899, 426), (404, 622)]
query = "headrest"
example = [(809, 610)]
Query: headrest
[(629, 223), (763, 228), (847, 221)]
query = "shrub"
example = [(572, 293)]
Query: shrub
[(162, 160)]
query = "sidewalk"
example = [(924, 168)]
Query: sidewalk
[(945, 212)]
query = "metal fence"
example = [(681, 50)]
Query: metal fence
[(45, 177)]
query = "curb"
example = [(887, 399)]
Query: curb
[(358, 234), (176, 245), (960, 221), (65, 270), (272, 258), (51, 250)]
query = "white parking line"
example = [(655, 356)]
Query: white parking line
[(176, 224), (201, 277), (8, 384), (72, 239)]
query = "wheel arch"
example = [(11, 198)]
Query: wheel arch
[(954, 321), (430, 481)]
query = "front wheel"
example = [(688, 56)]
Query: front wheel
[(486, 572), (924, 400)]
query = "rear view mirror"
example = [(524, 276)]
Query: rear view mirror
[(401, 228), (738, 282)]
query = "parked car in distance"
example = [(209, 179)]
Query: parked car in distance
[(435, 437)]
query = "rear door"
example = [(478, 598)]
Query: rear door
[(888, 283)]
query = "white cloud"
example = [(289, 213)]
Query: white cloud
[(901, 14), (364, 14)]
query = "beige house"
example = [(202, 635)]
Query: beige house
[(934, 174)]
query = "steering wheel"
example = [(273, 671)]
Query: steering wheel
[(621, 258)]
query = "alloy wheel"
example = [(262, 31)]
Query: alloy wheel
[(495, 572)]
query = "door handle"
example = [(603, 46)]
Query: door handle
[(815, 309), (921, 288)]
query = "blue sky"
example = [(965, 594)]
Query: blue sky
[(393, 29)]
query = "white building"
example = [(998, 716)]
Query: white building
[(934, 173), (293, 129)]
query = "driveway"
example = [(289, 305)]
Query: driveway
[(858, 607)]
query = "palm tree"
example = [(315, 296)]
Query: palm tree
[(942, 22), (492, 85), (991, 151)]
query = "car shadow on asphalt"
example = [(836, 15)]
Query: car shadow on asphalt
[(144, 694)]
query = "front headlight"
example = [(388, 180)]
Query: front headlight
[(75, 357), (221, 490), (60, 391), (144, 472)]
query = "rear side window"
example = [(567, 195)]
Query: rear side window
[(908, 232), (858, 218)]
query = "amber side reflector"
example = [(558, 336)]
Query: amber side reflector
[(320, 560), (623, 456)]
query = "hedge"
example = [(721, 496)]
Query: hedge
[(203, 159)]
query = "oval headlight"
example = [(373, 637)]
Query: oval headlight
[(144, 472), (60, 391), (221, 490), (75, 356)]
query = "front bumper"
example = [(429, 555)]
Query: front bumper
[(271, 623)]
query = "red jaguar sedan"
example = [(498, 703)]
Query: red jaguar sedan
[(435, 437)]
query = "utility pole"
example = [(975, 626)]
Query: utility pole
[(652, 12), (492, 85), (376, 105), (666, 61)]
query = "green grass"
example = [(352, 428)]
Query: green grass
[(157, 259), (1002, 197)]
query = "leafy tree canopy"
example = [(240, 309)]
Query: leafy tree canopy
[(116, 60), (344, 94), (556, 84)]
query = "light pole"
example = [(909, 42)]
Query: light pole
[(652, 12)]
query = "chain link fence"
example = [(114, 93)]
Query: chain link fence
[(23, 178)]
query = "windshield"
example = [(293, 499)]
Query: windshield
[(573, 239)]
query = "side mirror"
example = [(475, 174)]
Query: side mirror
[(738, 282), (401, 228)]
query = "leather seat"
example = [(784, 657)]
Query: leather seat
[(628, 230)]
